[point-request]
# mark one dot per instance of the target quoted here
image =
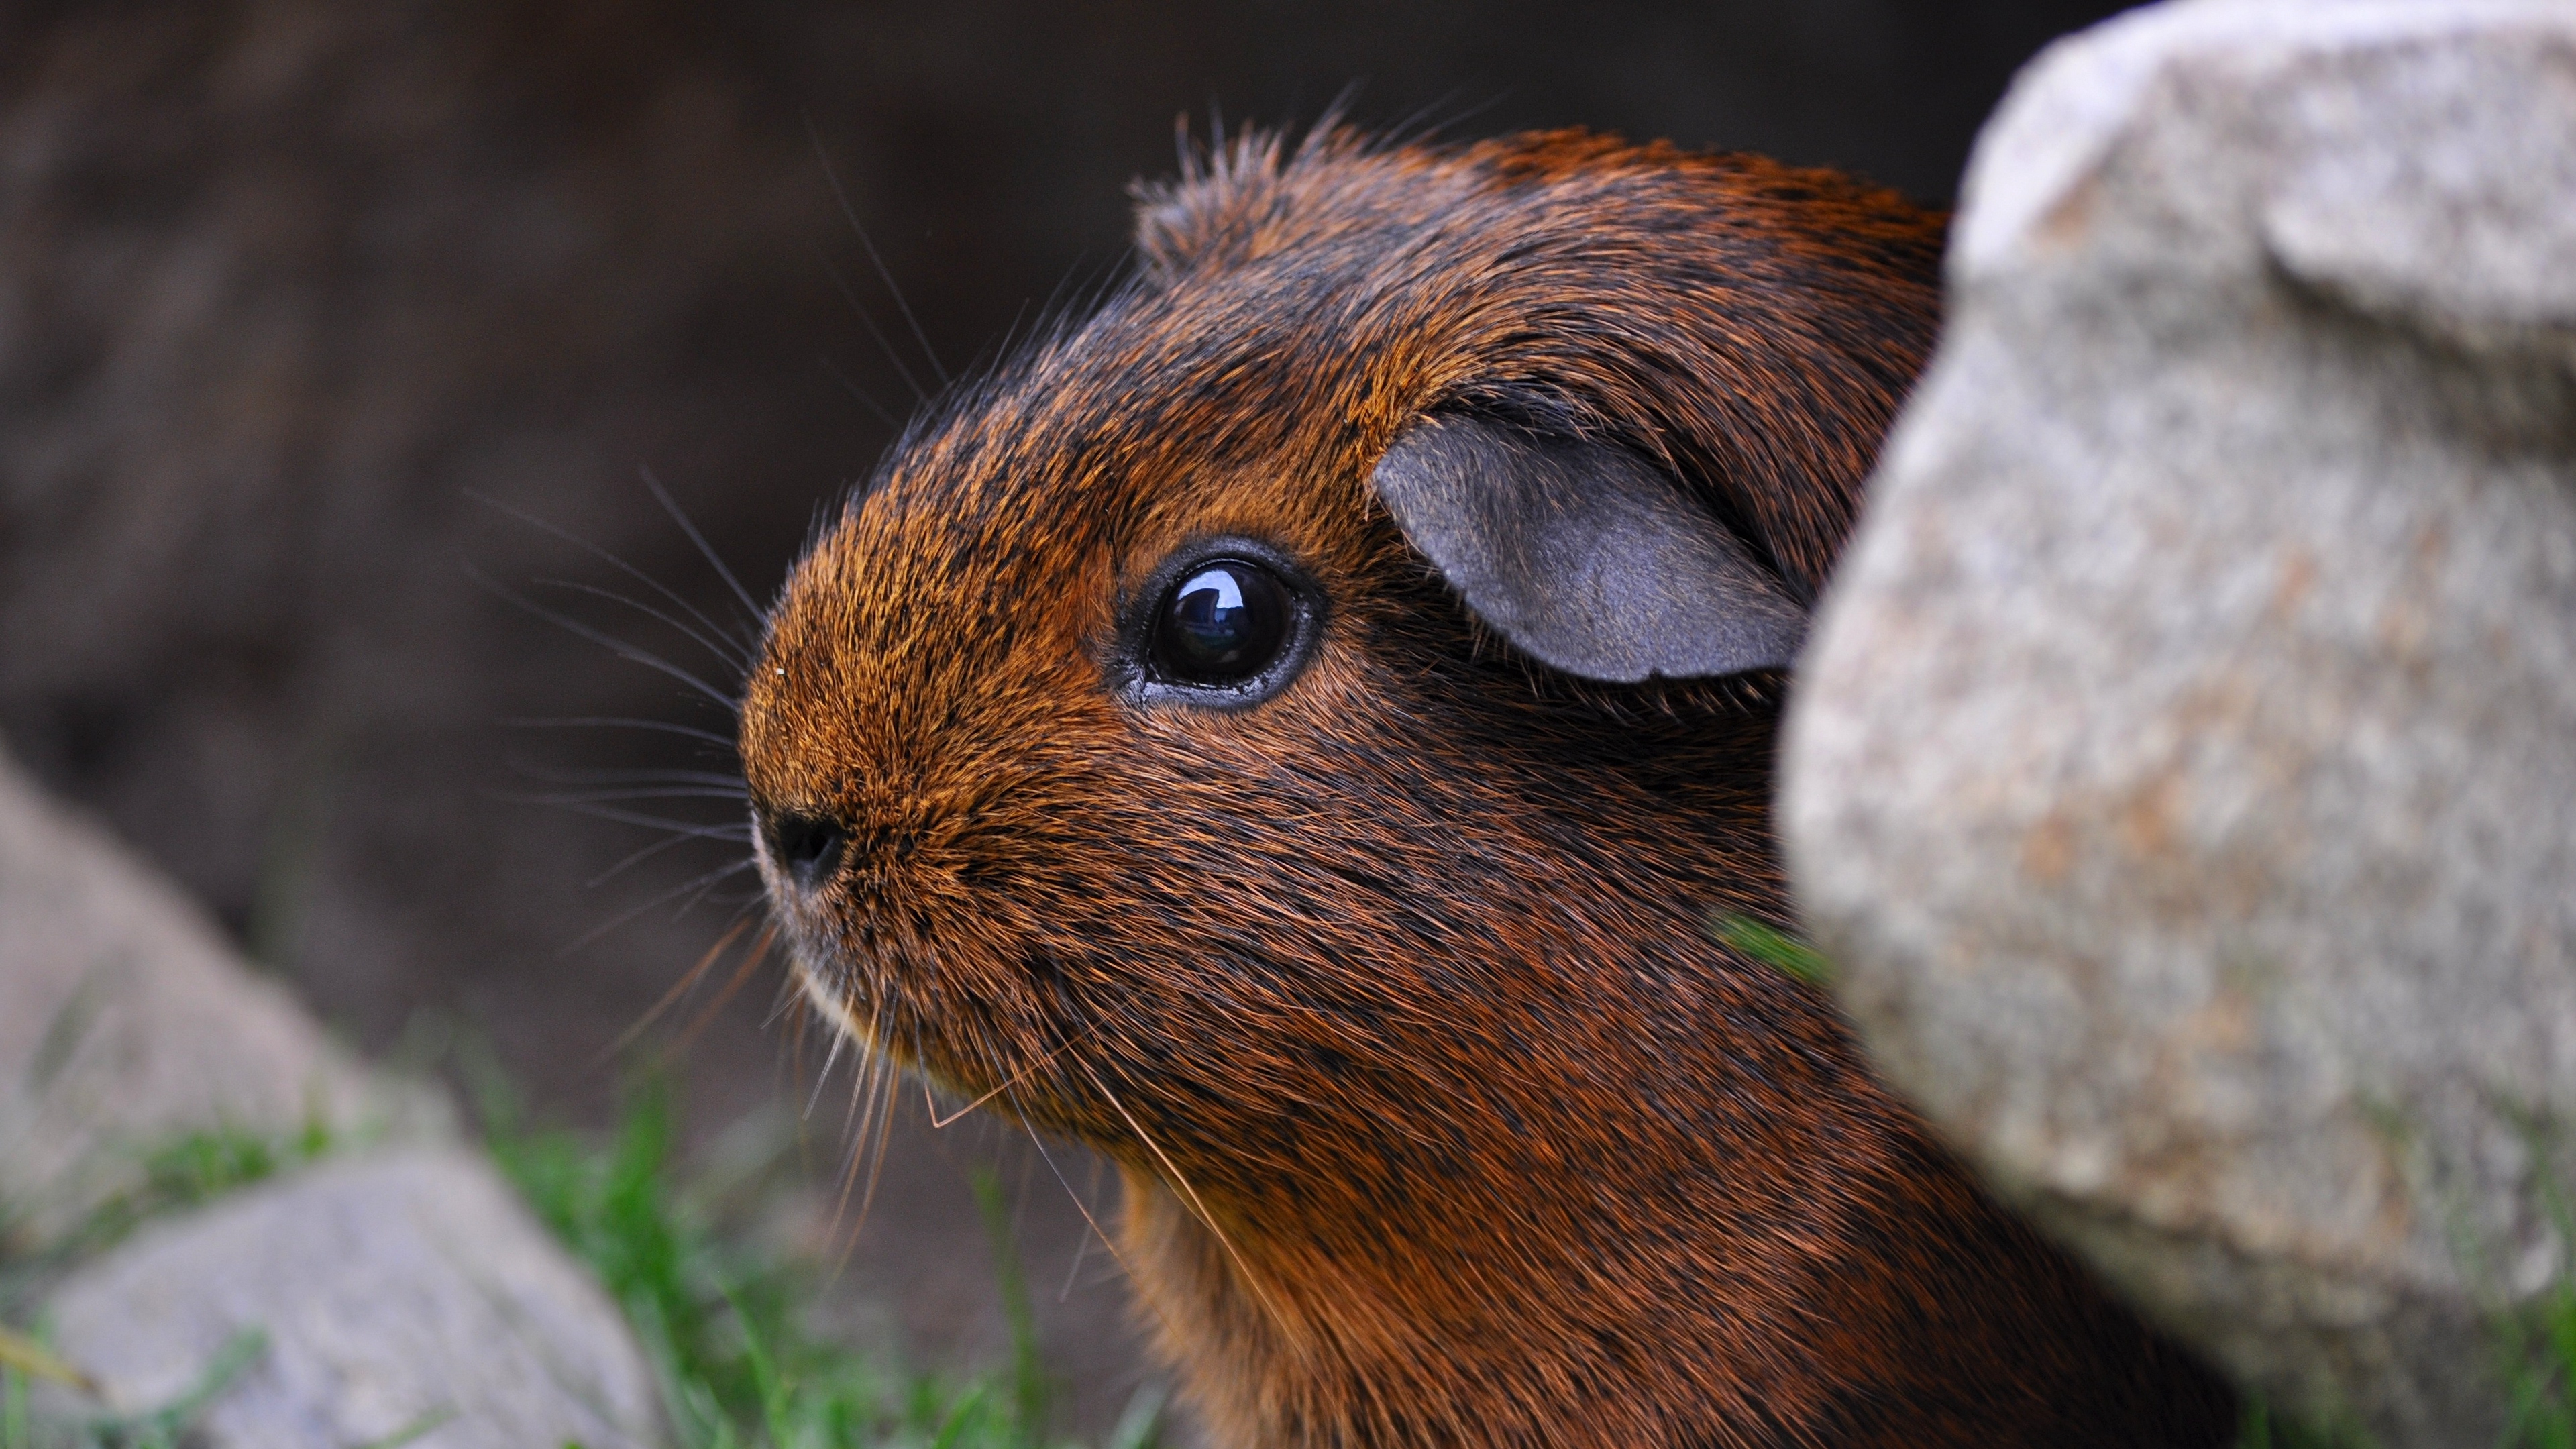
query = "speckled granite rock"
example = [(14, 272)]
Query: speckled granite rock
[(2183, 773), (396, 1291), (125, 1019)]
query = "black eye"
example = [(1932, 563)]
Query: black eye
[(1225, 621), (1221, 623)]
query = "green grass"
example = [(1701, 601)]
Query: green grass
[(2539, 1340), (739, 1370), (2537, 1349), (2259, 1426), (181, 1172), (726, 1325), (22, 1426), (174, 1174), (1773, 947)]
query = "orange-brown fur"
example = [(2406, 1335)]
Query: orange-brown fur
[(1443, 1121)]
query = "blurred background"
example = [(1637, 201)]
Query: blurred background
[(286, 284)]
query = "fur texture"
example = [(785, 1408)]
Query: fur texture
[(1443, 1120)]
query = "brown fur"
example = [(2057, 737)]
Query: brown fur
[(1443, 1121)]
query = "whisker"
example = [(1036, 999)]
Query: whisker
[(1422, 126), (1076, 289), (1106, 1242), (635, 859), (665, 898), (579, 775), (1251, 1281), (865, 1077), (824, 1079), (678, 989), (877, 1158), (791, 1004), (872, 1080), (1080, 292), (850, 1168), (740, 653), (867, 319), (1082, 1249), (606, 796), (610, 642), (1012, 332), (614, 795), (866, 399), (851, 213), (725, 650), (752, 961), (712, 879), (705, 550), (620, 722), (879, 1108), (739, 834), (937, 1120)]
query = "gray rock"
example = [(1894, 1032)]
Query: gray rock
[(125, 1020), (2183, 774), (395, 1291)]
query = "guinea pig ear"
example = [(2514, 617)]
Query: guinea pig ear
[(1585, 556)]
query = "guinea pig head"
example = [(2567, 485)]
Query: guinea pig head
[(1210, 695), (1290, 728)]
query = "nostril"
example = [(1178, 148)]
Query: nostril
[(807, 847)]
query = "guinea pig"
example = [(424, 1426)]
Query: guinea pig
[(1290, 729)]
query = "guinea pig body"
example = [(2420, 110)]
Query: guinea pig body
[(1243, 732)]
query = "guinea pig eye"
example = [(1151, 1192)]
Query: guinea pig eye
[(1222, 624)]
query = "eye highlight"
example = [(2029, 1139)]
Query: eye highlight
[(1225, 623), (1221, 625)]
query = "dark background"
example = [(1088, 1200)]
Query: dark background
[(282, 283)]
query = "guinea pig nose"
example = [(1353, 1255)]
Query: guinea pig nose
[(807, 847)]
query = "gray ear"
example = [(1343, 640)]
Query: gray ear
[(1585, 556)]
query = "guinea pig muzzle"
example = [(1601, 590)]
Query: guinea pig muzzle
[(805, 849)]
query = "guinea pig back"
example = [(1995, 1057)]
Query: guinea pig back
[(1290, 729)]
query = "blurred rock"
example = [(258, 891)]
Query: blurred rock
[(126, 1020), (2182, 770), (395, 1292)]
